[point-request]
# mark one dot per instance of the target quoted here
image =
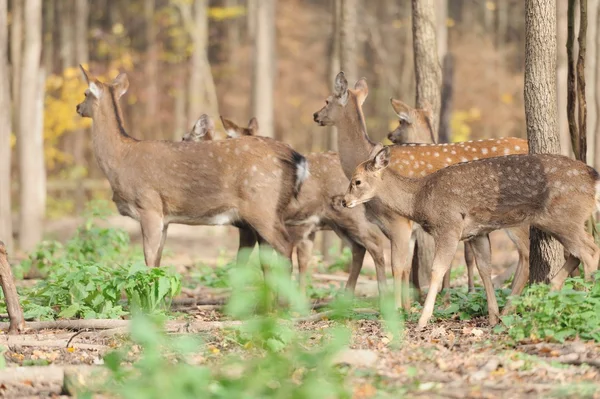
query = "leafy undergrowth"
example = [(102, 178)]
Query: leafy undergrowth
[(278, 361), (95, 274), (573, 311)]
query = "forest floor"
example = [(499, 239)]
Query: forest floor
[(449, 359)]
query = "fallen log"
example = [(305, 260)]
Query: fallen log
[(7, 281)]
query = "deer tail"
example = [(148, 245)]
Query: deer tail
[(301, 165)]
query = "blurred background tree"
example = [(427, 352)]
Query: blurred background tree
[(240, 58)]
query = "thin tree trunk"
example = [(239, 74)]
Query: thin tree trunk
[(151, 68), (581, 99), (49, 11), (596, 130), (67, 33), (233, 37), (5, 131), (179, 108), (427, 66), (442, 29), (7, 281), (16, 55), (447, 93), (348, 39), (591, 76), (263, 83), (30, 140), (571, 82), (334, 62), (540, 114), (79, 137), (561, 72)]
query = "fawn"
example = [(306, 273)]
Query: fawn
[(414, 126), (318, 207), (467, 201), (246, 181), (344, 109)]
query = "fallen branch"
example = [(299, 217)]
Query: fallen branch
[(7, 281), (55, 344)]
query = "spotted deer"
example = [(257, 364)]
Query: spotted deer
[(467, 201), (246, 181), (318, 207), (343, 109), (415, 126)]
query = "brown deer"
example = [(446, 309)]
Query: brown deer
[(246, 181), (318, 207), (469, 200), (344, 109), (415, 126)]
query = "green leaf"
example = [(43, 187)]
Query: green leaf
[(69, 312)]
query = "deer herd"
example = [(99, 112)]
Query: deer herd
[(367, 193)]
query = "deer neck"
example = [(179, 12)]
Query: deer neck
[(109, 139), (399, 193), (354, 144)]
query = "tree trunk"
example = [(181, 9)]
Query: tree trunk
[(592, 76), (7, 281), (442, 29), (427, 66), (561, 72), (202, 92), (79, 136), (596, 128), (571, 82), (67, 33), (447, 93), (5, 131), (49, 13), (348, 39), (233, 37), (264, 67), (151, 68), (334, 62), (30, 140), (16, 55), (581, 99), (540, 114)]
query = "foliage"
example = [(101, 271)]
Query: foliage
[(573, 311), (466, 305), (342, 259), (460, 123), (277, 362)]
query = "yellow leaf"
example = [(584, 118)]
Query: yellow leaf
[(490, 5), (450, 22), (507, 98), (118, 28), (70, 349)]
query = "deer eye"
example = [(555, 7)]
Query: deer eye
[(357, 182)]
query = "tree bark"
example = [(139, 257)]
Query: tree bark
[(427, 66), (7, 281), (16, 54), (67, 33), (6, 230), (596, 130), (571, 82), (151, 68), (591, 76), (446, 105), (263, 83), (233, 37), (540, 114), (348, 39), (561, 72), (30, 140), (581, 99), (442, 29)]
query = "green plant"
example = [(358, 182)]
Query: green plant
[(151, 289), (342, 260), (278, 363), (573, 311)]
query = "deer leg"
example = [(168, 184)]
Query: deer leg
[(400, 239), (470, 262), (374, 246), (153, 229), (445, 248), (520, 236), (163, 239), (446, 280), (358, 256), (580, 244), (247, 242), (304, 249), (483, 259)]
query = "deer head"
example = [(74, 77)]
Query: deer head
[(335, 103), (97, 90), (414, 124), (234, 131), (366, 178), (203, 130)]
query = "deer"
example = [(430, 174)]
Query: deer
[(467, 201), (247, 181), (415, 126), (343, 108), (317, 207)]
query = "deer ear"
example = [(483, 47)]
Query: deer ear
[(95, 89), (120, 84), (340, 88), (85, 74), (381, 160), (232, 130), (203, 125), (253, 125), (362, 90), (402, 110)]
